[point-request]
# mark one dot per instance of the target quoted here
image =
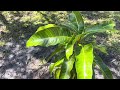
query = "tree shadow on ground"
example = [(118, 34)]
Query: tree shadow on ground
[(112, 60), (95, 14), (15, 57)]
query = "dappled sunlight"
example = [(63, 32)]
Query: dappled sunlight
[(19, 62), (15, 58)]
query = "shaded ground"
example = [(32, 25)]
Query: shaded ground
[(19, 62)]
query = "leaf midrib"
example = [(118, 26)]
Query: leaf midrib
[(84, 63)]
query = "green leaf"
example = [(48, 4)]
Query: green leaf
[(53, 65), (105, 70), (73, 73), (109, 25), (69, 47), (77, 38), (57, 73), (59, 56), (79, 20), (69, 51), (93, 76), (49, 37), (58, 49), (93, 66), (101, 48), (57, 61), (85, 36), (66, 68), (46, 27), (72, 18), (70, 26), (84, 61), (76, 24)]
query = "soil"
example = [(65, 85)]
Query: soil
[(19, 62)]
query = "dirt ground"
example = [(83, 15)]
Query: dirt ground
[(19, 62)]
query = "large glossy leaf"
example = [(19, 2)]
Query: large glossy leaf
[(66, 68), (109, 25), (48, 37), (84, 61), (105, 70), (79, 20)]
